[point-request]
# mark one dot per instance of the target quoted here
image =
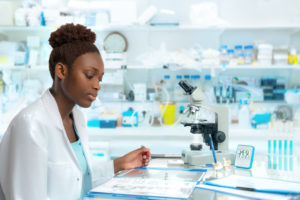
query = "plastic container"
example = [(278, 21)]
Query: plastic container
[(178, 94), (208, 89), (231, 57), (224, 60), (168, 94), (195, 80), (238, 49), (244, 114), (249, 54)]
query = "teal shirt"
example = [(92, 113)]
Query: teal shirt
[(86, 178)]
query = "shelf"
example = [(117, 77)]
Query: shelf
[(26, 68), (142, 67), (159, 28)]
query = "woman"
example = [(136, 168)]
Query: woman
[(44, 152)]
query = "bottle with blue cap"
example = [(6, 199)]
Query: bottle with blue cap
[(178, 94), (224, 60), (195, 80), (231, 57), (244, 114), (208, 89), (168, 86), (249, 53)]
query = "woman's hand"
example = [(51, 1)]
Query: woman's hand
[(137, 158)]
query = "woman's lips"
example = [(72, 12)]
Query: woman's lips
[(92, 97)]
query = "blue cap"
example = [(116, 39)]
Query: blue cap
[(241, 54), (230, 51), (178, 76), (166, 76), (238, 46), (186, 76), (224, 46), (207, 77), (195, 77), (248, 47)]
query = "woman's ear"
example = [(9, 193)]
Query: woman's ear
[(61, 70)]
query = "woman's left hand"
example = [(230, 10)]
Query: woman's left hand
[(137, 158)]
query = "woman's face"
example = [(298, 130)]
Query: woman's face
[(84, 77)]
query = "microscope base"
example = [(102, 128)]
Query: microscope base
[(201, 158)]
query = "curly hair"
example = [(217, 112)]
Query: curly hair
[(69, 42)]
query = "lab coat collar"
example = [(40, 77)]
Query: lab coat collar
[(52, 109), (79, 121)]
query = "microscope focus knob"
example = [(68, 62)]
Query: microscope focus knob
[(220, 137)]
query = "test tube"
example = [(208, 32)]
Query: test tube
[(280, 154), (269, 154), (274, 153), (285, 155), (291, 155)]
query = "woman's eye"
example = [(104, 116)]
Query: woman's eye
[(88, 76)]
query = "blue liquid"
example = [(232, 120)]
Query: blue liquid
[(275, 156), (285, 155), (280, 153)]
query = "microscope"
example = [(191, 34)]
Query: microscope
[(205, 121)]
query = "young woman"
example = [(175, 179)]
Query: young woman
[(44, 152)]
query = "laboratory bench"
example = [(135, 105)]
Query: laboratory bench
[(259, 170)]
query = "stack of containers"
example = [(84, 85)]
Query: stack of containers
[(264, 54)]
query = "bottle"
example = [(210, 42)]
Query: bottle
[(248, 49), (244, 114), (178, 94), (224, 55), (1, 84), (195, 80), (240, 59), (186, 78), (293, 58), (168, 94), (231, 57), (208, 89)]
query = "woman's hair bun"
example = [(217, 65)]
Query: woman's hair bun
[(70, 33)]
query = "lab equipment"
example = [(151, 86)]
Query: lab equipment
[(130, 118), (260, 119), (207, 120), (244, 156), (167, 110), (244, 114), (165, 18)]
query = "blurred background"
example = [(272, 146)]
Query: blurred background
[(242, 54)]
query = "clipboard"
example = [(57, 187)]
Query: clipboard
[(255, 184), (151, 183)]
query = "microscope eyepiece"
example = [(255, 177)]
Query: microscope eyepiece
[(187, 87)]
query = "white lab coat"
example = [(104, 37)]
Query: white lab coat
[(36, 158)]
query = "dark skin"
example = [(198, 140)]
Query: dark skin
[(80, 85)]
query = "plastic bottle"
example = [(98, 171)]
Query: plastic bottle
[(293, 58), (168, 94), (244, 114), (1, 84), (240, 59), (248, 49), (238, 49), (186, 77), (195, 80), (224, 60), (178, 94), (231, 57), (209, 89)]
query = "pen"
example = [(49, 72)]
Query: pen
[(212, 148)]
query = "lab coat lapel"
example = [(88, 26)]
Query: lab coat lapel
[(52, 108), (82, 132)]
